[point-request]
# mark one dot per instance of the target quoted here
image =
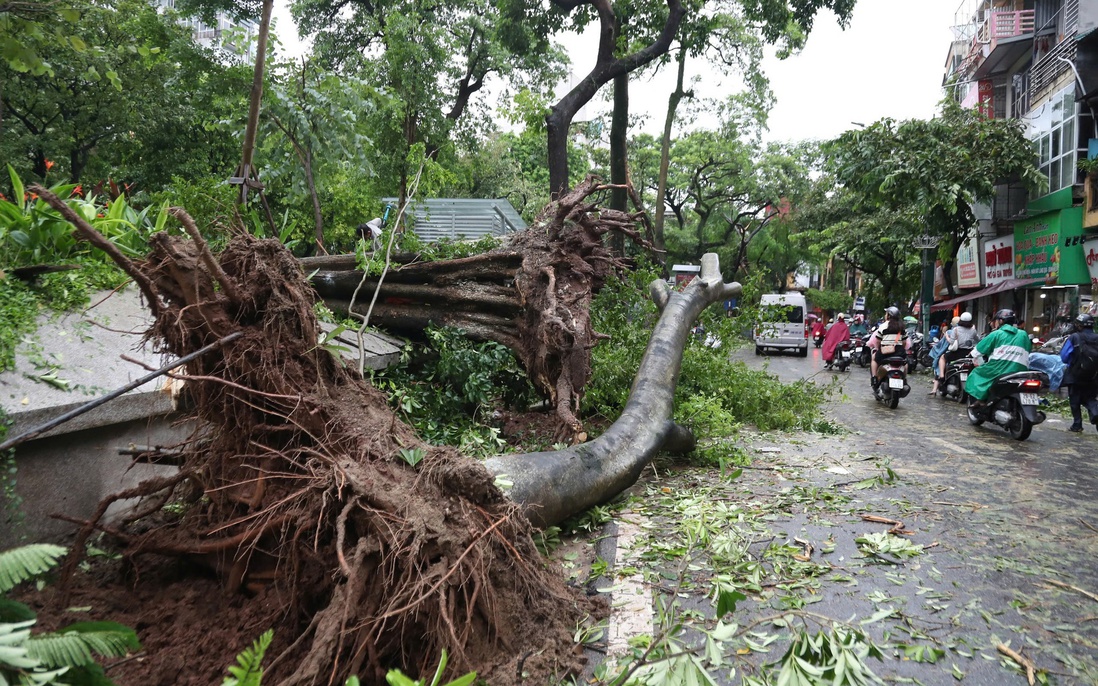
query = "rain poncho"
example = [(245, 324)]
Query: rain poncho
[(1051, 365), (1006, 351), (838, 333)]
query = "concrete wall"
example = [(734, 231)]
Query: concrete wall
[(71, 473)]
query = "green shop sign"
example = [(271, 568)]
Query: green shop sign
[(1050, 247)]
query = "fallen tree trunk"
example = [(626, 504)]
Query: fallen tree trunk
[(552, 486), (532, 295)]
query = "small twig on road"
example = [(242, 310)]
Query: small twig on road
[(974, 506), (897, 525), (1061, 584), (1022, 661), (1088, 525)]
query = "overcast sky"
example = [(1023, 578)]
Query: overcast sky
[(887, 63)]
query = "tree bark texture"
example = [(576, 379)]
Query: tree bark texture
[(532, 295), (552, 486)]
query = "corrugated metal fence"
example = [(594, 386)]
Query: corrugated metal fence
[(457, 218)]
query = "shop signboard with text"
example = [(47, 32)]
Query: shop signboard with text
[(968, 265), (998, 260), (1090, 256), (1050, 247)]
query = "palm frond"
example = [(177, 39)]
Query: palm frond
[(22, 563), (76, 645)]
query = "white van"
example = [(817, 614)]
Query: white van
[(782, 323)]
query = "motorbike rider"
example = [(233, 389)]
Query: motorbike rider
[(1004, 351), (885, 341), (965, 336), (819, 328), (938, 350), (1082, 391), (858, 328), (838, 333)]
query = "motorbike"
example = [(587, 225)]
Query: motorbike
[(844, 354), (818, 338), (1012, 403), (894, 384), (919, 353), (861, 350), (952, 385)]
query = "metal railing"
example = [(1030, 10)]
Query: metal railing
[(1050, 67), (1002, 24)]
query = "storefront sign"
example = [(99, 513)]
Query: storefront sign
[(998, 260), (1050, 246), (968, 265), (1090, 254), (986, 94)]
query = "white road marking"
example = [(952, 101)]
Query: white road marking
[(631, 614)]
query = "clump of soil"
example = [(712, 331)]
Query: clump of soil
[(316, 509)]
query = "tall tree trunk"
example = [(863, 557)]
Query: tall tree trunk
[(619, 154), (256, 98), (318, 218), (665, 149), (559, 119)]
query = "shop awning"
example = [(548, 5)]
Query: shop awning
[(1008, 285)]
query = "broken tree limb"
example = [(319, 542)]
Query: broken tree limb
[(86, 232), (552, 486), (86, 407)]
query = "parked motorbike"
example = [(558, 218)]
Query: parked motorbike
[(894, 384), (952, 385), (918, 354), (1012, 403)]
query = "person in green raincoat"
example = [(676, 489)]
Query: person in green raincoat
[(1004, 351)]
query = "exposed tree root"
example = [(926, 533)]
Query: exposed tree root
[(296, 478), (532, 295)]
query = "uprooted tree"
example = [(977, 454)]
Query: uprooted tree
[(532, 295), (299, 477)]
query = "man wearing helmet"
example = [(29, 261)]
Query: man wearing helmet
[(887, 340), (1078, 354), (1004, 351), (858, 328)]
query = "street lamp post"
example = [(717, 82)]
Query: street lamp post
[(926, 243)]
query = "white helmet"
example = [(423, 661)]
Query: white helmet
[(966, 316)]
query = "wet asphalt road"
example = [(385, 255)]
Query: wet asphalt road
[(1014, 523), (1010, 531)]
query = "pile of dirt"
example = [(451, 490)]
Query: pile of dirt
[(365, 548)]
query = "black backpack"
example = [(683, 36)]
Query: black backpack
[(1084, 359)]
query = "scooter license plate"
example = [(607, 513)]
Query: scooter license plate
[(1029, 398), (964, 376), (846, 353), (858, 350), (898, 384)]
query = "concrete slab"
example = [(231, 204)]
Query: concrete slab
[(77, 357)]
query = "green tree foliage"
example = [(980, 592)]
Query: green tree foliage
[(141, 108), (313, 129), (431, 62), (934, 170), (835, 223), (733, 187)]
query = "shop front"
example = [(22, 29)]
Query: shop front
[(1048, 250)]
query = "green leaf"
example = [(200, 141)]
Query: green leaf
[(249, 668), (19, 564), (18, 192), (78, 43), (726, 602)]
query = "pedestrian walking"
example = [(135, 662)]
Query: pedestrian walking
[(1080, 354)]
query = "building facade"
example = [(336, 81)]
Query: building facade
[(1036, 61)]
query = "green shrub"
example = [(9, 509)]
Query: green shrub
[(447, 386), (714, 394)]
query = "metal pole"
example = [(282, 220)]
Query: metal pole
[(928, 293), (61, 419)]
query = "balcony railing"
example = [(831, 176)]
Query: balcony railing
[(1050, 66), (1004, 24)]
